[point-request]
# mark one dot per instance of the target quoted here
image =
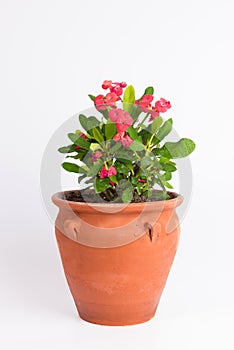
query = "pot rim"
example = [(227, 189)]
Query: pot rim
[(109, 207)]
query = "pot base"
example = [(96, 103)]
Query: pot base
[(116, 322), (123, 314)]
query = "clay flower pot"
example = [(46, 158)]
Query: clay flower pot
[(117, 257)]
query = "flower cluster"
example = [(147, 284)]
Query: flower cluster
[(123, 121), (160, 106), (122, 153), (116, 90), (105, 172)]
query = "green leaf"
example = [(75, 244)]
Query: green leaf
[(158, 195), (134, 180), (97, 135), (81, 177), (92, 98), (79, 141), (165, 160), (156, 124), (137, 146), (88, 181), (127, 195), (121, 168), (128, 98), (104, 112), (113, 178), (179, 149), (115, 148), (164, 130), (109, 130), (168, 167), (149, 91), (94, 170), (92, 122), (168, 185), (84, 122), (84, 169), (101, 185), (129, 165), (67, 149), (135, 112), (145, 135), (73, 168), (146, 161), (133, 133), (124, 156), (167, 175), (95, 146)]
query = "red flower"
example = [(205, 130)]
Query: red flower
[(112, 171), (103, 173), (107, 172), (111, 98), (162, 105), (106, 84), (122, 119), (83, 137), (99, 102), (123, 84), (96, 156), (123, 138), (117, 89), (141, 180), (145, 102), (112, 183)]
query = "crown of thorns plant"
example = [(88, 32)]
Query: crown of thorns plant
[(123, 153)]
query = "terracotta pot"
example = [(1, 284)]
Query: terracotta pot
[(117, 257)]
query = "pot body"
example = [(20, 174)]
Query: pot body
[(117, 258)]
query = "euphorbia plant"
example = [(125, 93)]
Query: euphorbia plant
[(122, 155)]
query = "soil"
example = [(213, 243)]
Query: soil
[(90, 196)]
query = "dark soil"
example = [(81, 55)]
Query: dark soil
[(90, 196)]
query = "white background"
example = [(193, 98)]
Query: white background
[(53, 53)]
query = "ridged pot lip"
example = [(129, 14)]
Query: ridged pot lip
[(60, 202)]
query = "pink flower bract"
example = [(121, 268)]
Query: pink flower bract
[(103, 173), (112, 171), (106, 84), (141, 180), (111, 98), (162, 105), (107, 172), (96, 155), (123, 138), (145, 102), (122, 119), (99, 102), (117, 89)]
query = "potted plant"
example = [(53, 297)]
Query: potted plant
[(118, 235)]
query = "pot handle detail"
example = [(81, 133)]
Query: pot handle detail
[(96, 237)]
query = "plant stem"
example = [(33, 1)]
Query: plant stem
[(143, 120)]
